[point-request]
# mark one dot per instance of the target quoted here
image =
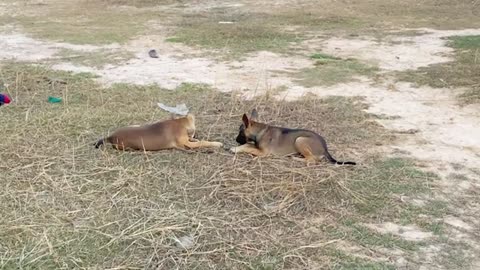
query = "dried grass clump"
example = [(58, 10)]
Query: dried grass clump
[(67, 205)]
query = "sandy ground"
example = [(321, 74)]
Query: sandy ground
[(433, 127)]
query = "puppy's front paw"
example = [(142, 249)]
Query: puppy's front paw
[(217, 144), (233, 150)]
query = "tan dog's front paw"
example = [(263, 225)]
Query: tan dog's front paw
[(233, 150)]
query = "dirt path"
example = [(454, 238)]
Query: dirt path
[(433, 127)]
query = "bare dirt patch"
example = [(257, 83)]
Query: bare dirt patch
[(399, 52), (456, 222), (19, 47), (410, 233)]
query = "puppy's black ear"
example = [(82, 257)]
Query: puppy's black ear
[(245, 120)]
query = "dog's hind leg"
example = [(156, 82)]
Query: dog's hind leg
[(302, 144)]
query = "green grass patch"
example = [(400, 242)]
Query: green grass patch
[(367, 237), (324, 57), (393, 176), (266, 262), (141, 3), (83, 22), (315, 20), (436, 227), (234, 33), (243, 34), (96, 59), (331, 70), (465, 42), (344, 261), (458, 257), (463, 72)]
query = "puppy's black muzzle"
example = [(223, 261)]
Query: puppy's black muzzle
[(241, 138)]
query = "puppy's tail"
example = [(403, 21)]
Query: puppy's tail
[(329, 157), (99, 143), (334, 161)]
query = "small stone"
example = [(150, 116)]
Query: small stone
[(153, 54)]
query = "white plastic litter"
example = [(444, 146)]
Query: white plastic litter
[(184, 242), (180, 109)]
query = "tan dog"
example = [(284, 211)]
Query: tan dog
[(279, 141), (168, 134)]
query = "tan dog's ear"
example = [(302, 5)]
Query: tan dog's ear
[(254, 115), (245, 120)]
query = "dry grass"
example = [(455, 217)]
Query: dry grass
[(376, 15), (80, 22), (139, 3), (96, 59), (243, 32), (330, 70), (68, 205)]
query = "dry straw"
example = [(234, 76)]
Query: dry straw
[(67, 205)]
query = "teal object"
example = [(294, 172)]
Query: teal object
[(54, 99)]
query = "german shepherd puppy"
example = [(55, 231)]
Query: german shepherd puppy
[(168, 134), (280, 141)]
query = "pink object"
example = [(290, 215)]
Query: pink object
[(4, 99)]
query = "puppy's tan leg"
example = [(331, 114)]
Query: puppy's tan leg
[(200, 144), (302, 144), (248, 148), (186, 142)]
